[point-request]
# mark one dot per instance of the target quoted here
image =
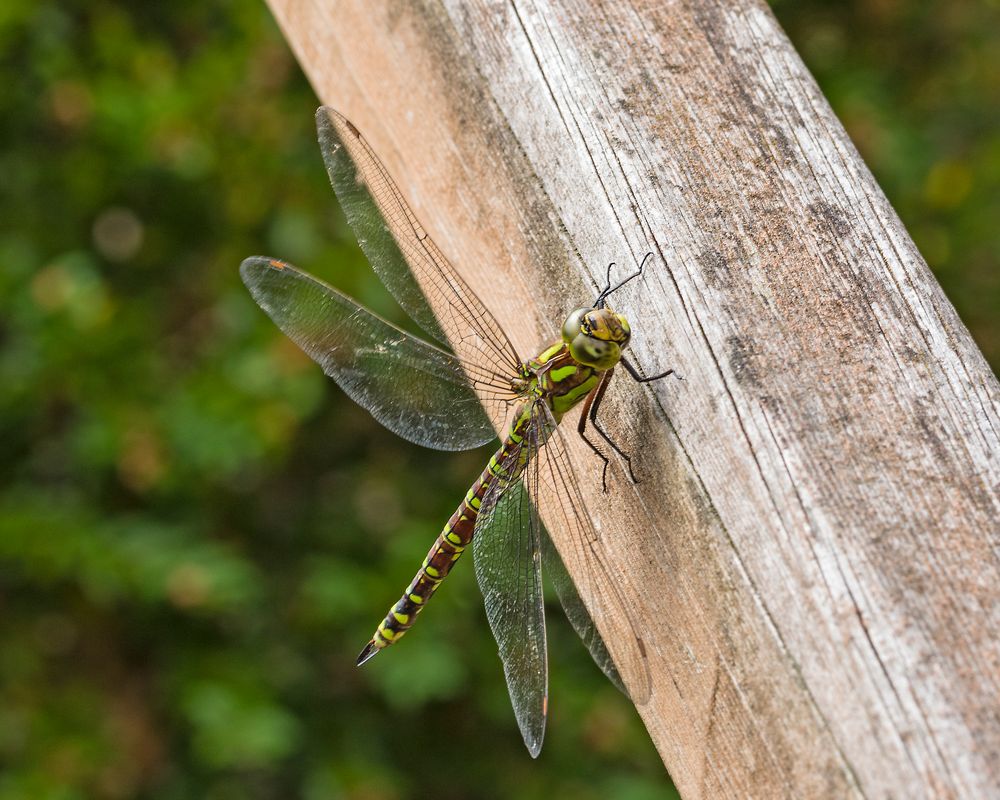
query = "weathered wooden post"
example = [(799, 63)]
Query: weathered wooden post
[(815, 545)]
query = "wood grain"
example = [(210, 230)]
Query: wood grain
[(814, 544)]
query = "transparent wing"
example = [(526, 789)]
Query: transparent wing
[(509, 547), (506, 550), (410, 264), (416, 390), (595, 579), (576, 611)]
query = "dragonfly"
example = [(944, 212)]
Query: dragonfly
[(455, 391)]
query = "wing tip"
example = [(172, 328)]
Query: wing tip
[(534, 735), (534, 744), (253, 267), (329, 116)]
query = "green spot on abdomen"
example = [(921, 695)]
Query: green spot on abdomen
[(385, 633)]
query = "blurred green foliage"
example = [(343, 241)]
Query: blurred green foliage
[(197, 530)]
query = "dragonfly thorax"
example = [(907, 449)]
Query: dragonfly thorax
[(596, 336)]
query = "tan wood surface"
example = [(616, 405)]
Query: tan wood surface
[(813, 548)]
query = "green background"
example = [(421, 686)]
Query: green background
[(198, 531)]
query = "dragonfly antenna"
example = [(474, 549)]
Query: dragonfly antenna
[(608, 289)]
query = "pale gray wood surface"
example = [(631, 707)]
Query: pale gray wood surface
[(814, 544)]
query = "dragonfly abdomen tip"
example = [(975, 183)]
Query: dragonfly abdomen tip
[(370, 651)]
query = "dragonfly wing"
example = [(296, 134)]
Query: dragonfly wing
[(410, 264), (416, 390), (508, 569), (594, 578), (576, 611)]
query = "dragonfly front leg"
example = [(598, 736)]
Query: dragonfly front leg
[(637, 375)]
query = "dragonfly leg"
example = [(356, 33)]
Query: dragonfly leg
[(589, 412), (581, 428), (639, 377)]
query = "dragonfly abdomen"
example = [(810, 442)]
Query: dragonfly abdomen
[(446, 550)]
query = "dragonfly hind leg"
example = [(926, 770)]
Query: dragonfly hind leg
[(589, 412), (590, 408)]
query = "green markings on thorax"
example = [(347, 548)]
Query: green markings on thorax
[(560, 374), (561, 403), (562, 380)]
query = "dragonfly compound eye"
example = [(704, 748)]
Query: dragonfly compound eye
[(574, 324), (597, 353)]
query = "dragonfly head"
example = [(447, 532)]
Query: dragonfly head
[(596, 336)]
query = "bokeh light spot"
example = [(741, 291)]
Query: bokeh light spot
[(118, 234)]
